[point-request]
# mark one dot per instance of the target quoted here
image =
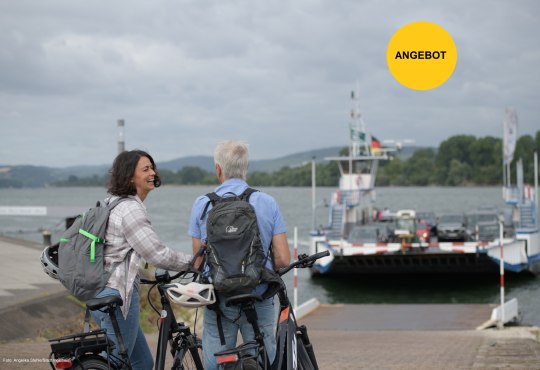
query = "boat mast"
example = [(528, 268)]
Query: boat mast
[(359, 137), (359, 140)]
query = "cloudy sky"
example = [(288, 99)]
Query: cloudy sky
[(277, 74)]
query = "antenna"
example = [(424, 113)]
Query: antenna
[(398, 144), (121, 143)]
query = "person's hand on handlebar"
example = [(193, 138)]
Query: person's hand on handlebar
[(307, 263)]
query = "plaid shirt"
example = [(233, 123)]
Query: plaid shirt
[(129, 229)]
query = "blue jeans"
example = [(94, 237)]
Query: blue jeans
[(233, 322), (132, 334)]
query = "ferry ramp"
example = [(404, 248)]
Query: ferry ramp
[(431, 336), (360, 317)]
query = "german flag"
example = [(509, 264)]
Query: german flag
[(375, 145)]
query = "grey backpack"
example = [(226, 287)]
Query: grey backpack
[(81, 261)]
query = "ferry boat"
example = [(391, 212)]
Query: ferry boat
[(352, 206)]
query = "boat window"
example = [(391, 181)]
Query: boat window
[(405, 224), (451, 218), (363, 167)]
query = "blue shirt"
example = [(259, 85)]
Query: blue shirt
[(269, 218)]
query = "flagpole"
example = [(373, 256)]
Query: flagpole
[(313, 196), (536, 186), (295, 275), (509, 145), (501, 268)]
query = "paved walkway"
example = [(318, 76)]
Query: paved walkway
[(344, 336), (417, 337), (21, 275)]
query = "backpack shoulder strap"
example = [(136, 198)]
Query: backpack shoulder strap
[(247, 193), (213, 198), (109, 204), (116, 202)]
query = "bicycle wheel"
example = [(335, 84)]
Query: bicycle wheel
[(304, 362), (188, 359), (92, 363)]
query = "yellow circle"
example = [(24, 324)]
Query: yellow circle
[(421, 55)]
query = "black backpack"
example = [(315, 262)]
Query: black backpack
[(234, 251)]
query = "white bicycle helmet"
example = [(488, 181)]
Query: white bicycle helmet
[(49, 261), (192, 294)]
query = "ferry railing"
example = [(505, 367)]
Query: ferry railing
[(527, 216), (511, 194), (350, 198)]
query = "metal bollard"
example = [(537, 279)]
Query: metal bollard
[(46, 237)]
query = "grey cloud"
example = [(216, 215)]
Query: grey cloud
[(186, 74)]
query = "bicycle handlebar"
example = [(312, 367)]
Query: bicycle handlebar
[(165, 277), (303, 261)]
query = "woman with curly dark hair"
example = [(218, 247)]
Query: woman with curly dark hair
[(124, 167), (130, 240)]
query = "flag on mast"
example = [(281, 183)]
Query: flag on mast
[(375, 145), (510, 135)]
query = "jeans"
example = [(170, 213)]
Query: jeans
[(232, 322), (132, 334)]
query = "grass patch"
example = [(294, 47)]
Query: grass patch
[(150, 319)]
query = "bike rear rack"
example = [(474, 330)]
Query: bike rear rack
[(78, 344), (239, 355)]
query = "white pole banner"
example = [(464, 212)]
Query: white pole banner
[(510, 135)]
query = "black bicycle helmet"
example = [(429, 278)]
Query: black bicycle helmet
[(49, 261)]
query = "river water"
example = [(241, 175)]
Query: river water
[(169, 209)]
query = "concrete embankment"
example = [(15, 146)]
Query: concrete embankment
[(344, 336)]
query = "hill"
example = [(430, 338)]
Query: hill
[(38, 176), (264, 165)]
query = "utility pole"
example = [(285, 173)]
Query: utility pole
[(121, 143)]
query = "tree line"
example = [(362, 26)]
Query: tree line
[(461, 160)]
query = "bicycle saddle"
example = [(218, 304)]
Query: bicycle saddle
[(97, 303), (243, 298)]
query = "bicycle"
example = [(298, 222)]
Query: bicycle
[(83, 351), (293, 347)]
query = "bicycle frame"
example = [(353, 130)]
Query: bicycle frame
[(286, 342), (167, 327), (293, 347), (292, 343)]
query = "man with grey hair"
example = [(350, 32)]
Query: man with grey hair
[(231, 164)]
